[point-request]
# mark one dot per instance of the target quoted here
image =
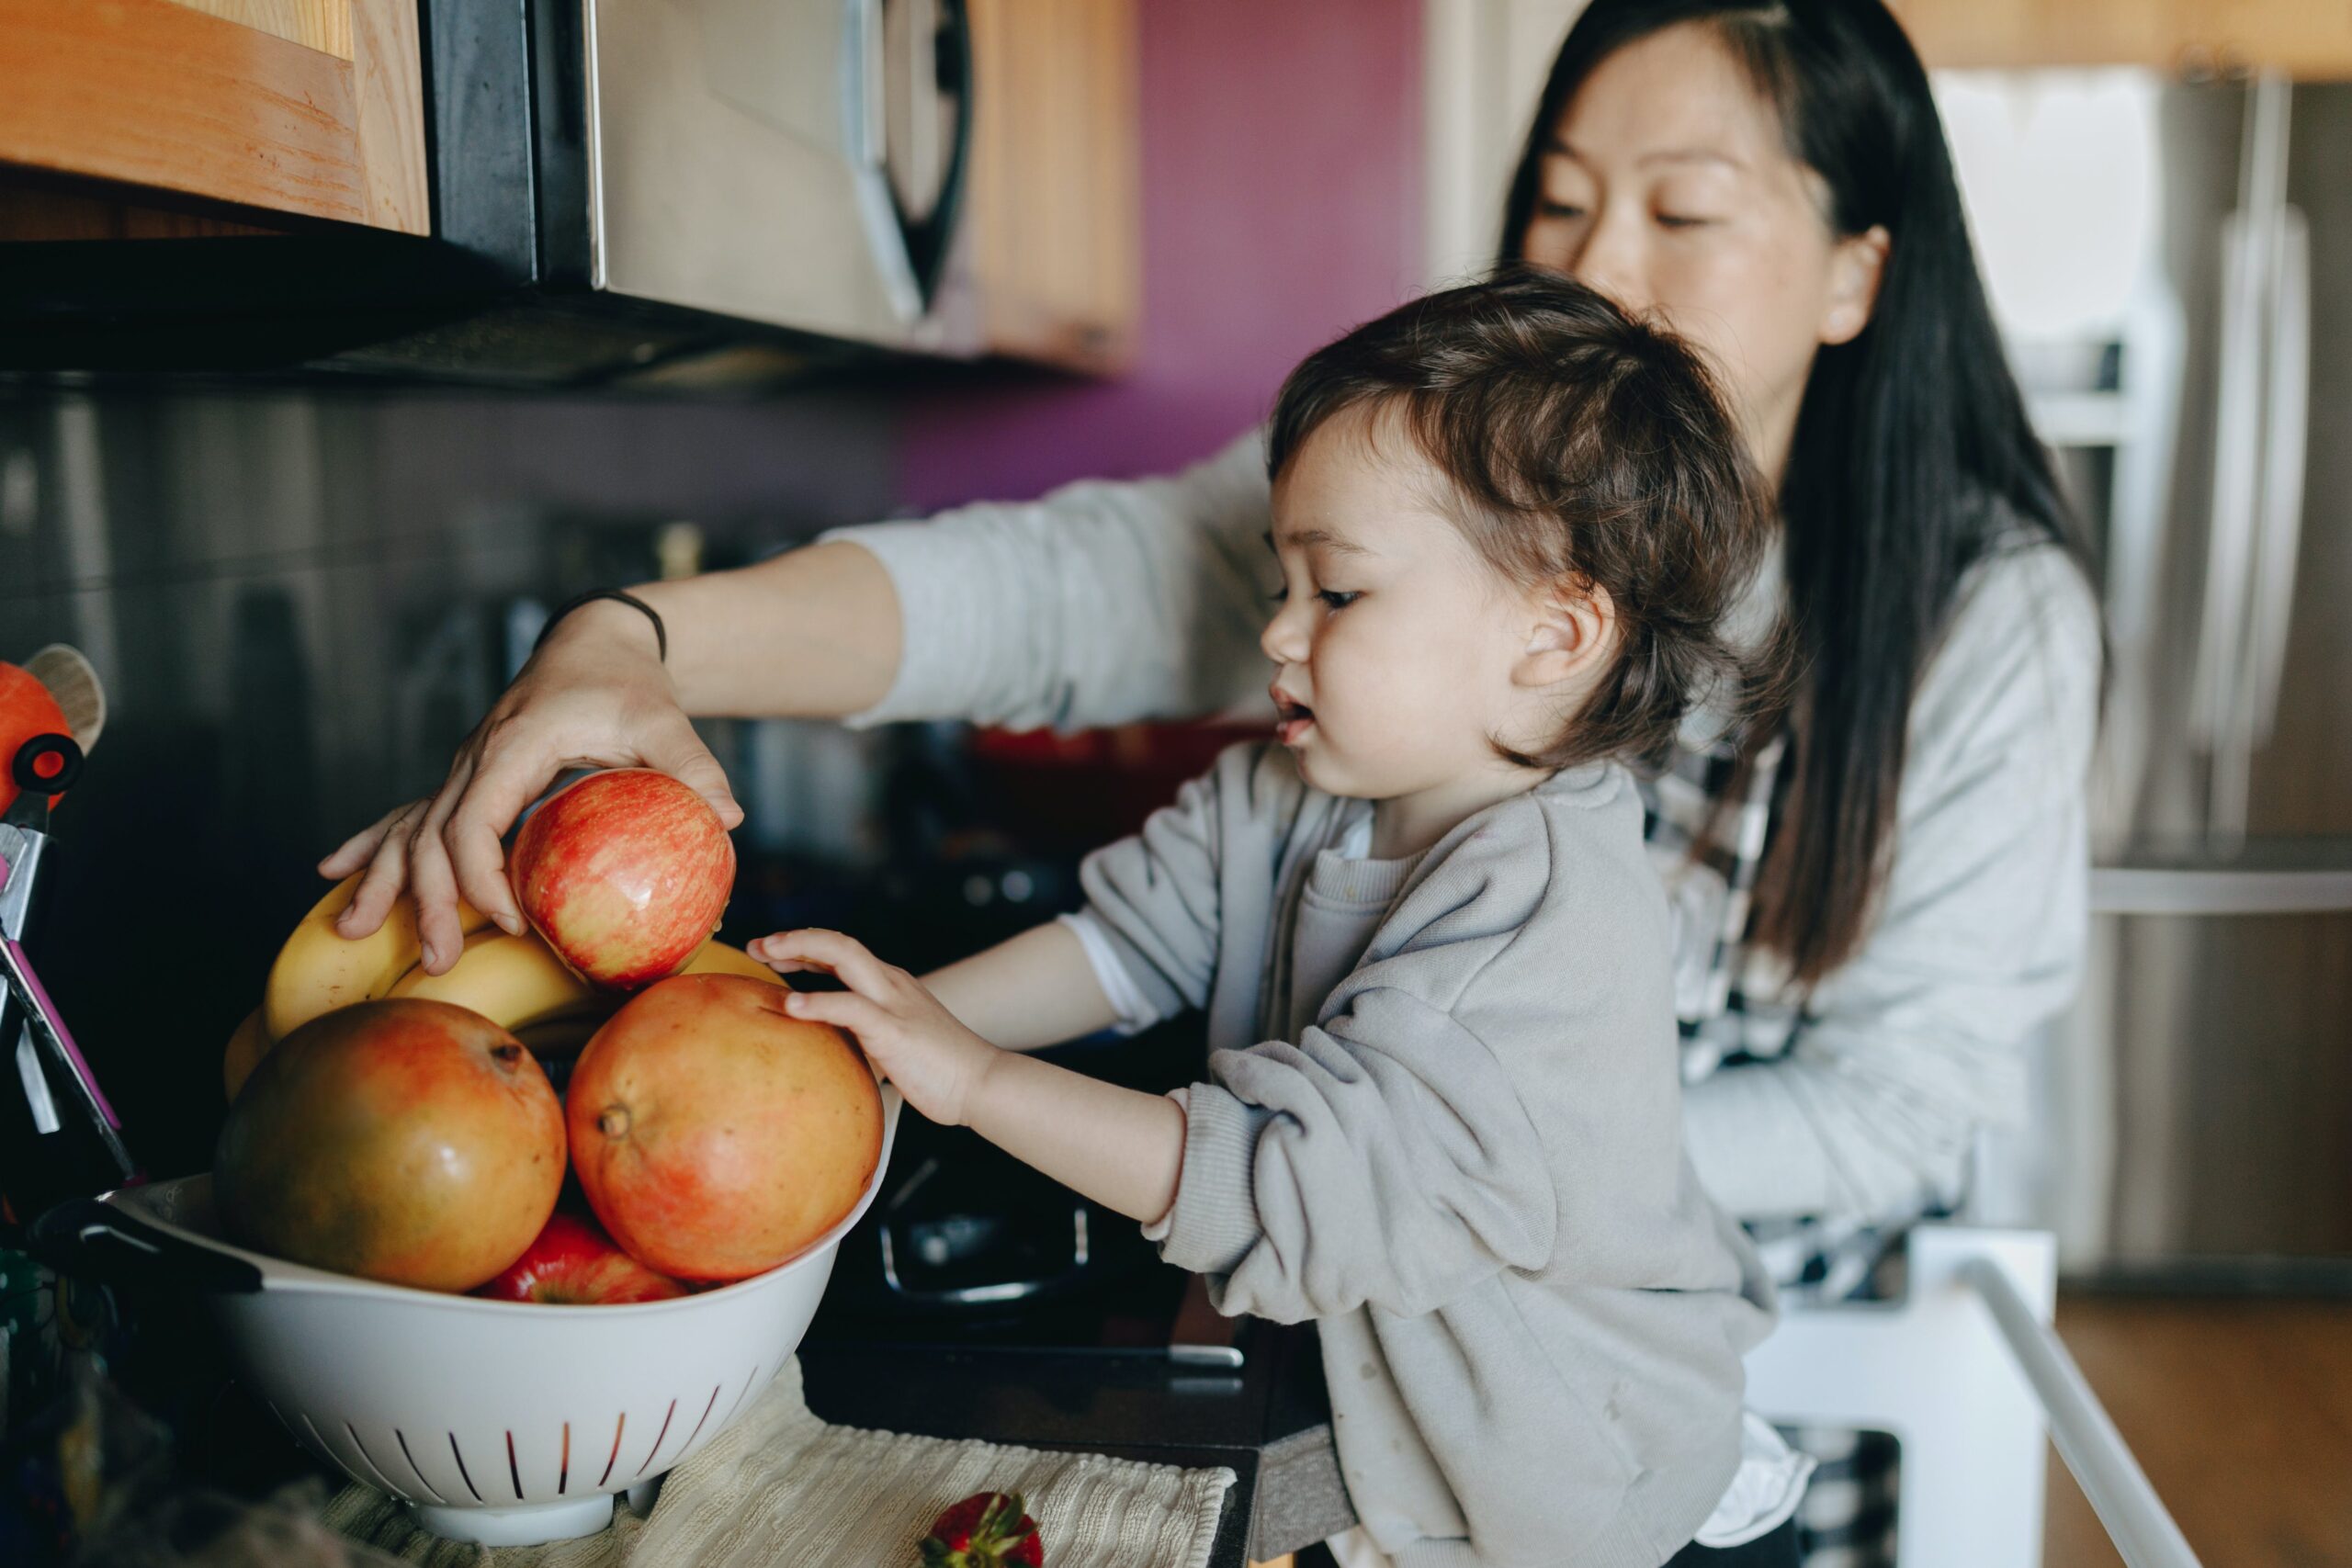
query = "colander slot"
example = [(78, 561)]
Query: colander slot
[(743, 1393), (706, 1409), (616, 1454), (418, 1471), (657, 1442), (335, 1456), (563, 1466), (373, 1469), (320, 1443), (462, 1474), (514, 1471)]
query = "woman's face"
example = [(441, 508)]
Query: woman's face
[(1669, 188)]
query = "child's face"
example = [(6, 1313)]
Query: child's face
[(1400, 653)]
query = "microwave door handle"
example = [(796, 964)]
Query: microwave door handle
[(2287, 435), (942, 67), (865, 109)]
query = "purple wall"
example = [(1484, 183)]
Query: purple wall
[(1281, 204)]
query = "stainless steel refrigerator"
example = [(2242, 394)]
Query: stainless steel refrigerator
[(2194, 1118)]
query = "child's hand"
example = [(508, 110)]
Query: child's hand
[(934, 1060)]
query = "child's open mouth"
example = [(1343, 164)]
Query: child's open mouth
[(1292, 720)]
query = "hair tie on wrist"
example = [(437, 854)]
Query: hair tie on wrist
[(661, 633)]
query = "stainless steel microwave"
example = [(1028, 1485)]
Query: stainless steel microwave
[(624, 192), (795, 162)]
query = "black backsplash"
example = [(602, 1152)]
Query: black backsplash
[(300, 604)]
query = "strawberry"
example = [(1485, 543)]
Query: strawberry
[(986, 1529)]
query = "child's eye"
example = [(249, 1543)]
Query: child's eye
[(1680, 221), (1337, 600), (1558, 210)]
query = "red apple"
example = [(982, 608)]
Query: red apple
[(625, 874), (714, 1134), (574, 1263)]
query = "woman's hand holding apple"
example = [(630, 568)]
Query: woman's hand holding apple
[(597, 695)]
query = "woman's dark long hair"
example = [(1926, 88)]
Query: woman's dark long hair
[(1913, 457)]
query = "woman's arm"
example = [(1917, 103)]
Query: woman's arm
[(812, 633), (1102, 602), (1910, 1049)]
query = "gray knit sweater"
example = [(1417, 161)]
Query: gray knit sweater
[(1444, 1119)]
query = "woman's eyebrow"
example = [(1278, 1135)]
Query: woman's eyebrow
[(1692, 155), (1663, 155)]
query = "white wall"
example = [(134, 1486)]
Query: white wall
[(1484, 63)]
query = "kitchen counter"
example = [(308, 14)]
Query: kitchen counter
[(1268, 1421)]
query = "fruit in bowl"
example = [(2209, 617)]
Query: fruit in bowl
[(714, 1134), (625, 874), (574, 1263), (515, 981), (319, 969), (408, 1141)]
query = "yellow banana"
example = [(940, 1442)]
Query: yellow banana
[(247, 1046), (718, 958), (319, 970), (516, 982)]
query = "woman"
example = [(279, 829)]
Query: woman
[(1877, 905)]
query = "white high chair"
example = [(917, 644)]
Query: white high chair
[(1967, 1375)]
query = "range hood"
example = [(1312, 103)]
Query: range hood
[(634, 193)]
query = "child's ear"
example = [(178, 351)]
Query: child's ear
[(1575, 622)]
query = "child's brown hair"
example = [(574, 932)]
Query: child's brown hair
[(1584, 446)]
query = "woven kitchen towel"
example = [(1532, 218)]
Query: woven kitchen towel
[(781, 1489)]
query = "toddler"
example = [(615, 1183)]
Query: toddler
[(1440, 1115)]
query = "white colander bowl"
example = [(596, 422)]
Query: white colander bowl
[(504, 1423)]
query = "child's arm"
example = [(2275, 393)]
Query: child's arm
[(1028, 991), (1158, 895), (1025, 993), (1119, 1146)]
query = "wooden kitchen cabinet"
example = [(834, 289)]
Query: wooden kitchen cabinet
[(2308, 39), (1054, 226), (312, 108)]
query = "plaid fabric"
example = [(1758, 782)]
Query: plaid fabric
[(1733, 1000), (1847, 1519), (1736, 1010)]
